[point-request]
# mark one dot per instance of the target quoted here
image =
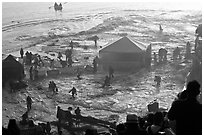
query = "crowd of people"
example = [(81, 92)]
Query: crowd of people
[(183, 118)]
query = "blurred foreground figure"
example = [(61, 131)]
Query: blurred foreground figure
[(188, 112)]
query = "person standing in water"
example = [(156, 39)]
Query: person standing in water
[(74, 92), (21, 52), (157, 79), (29, 103), (188, 50), (106, 82), (160, 28)]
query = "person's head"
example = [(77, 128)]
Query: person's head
[(12, 124), (131, 118), (120, 129), (70, 108), (158, 118), (193, 89)]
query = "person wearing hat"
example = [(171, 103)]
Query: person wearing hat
[(132, 127)]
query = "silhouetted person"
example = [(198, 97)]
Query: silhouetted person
[(24, 120), (106, 82), (59, 55), (13, 128), (29, 103), (30, 57), (70, 62), (157, 79), (188, 50), (59, 114), (132, 127), (162, 55), (198, 31), (159, 126), (55, 4), (95, 41), (188, 113), (68, 54), (155, 58), (31, 72), (53, 87), (78, 114), (177, 53), (71, 44), (73, 91), (78, 111), (69, 116), (48, 128), (160, 28), (21, 52)]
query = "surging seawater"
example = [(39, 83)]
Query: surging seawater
[(129, 92)]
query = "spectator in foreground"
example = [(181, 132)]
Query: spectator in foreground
[(13, 128), (132, 127), (188, 113)]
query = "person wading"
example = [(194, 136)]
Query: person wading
[(29, 103)]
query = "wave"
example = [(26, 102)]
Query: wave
[(108, 25), (28, 23)]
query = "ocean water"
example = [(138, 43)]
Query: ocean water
[(25, 24)]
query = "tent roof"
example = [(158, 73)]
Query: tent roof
[(125, 45), (10, 62)]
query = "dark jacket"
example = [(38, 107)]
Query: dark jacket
[(188, 116)]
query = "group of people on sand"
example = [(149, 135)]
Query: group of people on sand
[(66, 115), (33, 73), (162, 53), (183, 118), (163, 122), (68, 54), (108, 77)]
